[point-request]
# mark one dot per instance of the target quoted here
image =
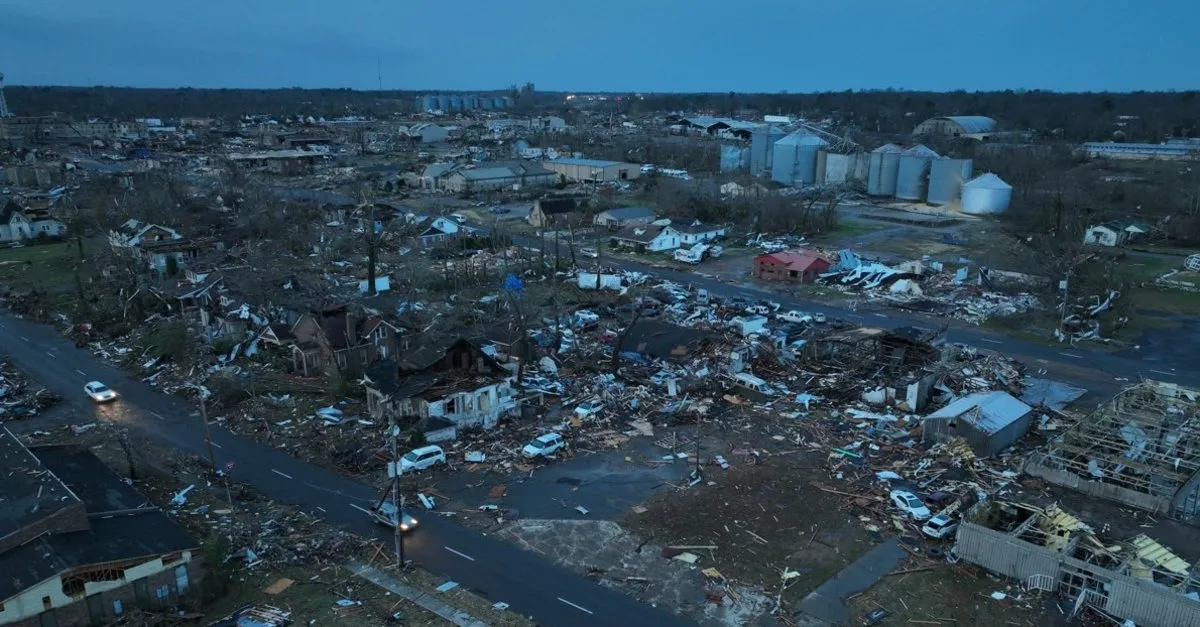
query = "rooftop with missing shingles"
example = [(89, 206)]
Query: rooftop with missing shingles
[(29, 491)]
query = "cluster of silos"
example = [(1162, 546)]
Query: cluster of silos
[(795, 158), (457, 102), (883, 167), (986, 194), (734, 158), (762, 144)]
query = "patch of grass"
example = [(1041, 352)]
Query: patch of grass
[(44, 267), (946, 595), (847, 229), (1166, 300)]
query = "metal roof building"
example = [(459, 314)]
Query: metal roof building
[(989, 421), (956, 126)]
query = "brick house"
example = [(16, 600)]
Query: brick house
[(338, 341), (79, 546), (793, 266)]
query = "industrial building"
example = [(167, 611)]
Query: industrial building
[(499, 176), (1140, 449), (1112, 150), (428, 133), (973, 126), (462, 102), (594, 170)]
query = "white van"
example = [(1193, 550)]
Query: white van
[(422, 458)]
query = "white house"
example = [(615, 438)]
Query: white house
[(429, 133), (1112, 233), (695, 233), (440, 230), (17, 224), (648, 238)]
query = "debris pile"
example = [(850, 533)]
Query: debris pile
[(20, 399)]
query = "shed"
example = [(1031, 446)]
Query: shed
[(989, 421)]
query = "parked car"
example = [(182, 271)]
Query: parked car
[(760, 310), (385, 514), (459, 218), (99, 392), (797, 317), (940, 526), (910, 504), (589, 252), (422, 458), (544, 445), (819, 318), (589, 409), (499, 210)]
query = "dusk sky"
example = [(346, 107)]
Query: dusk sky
[(613, 45)]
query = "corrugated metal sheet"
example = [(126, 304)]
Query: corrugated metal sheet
[(946, 178), (762, 146), (794, 161), (974, 123), (734, 158), (996, 410)]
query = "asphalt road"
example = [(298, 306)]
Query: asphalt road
[(497, 571)]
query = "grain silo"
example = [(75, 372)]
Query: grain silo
[(984, 194), (443, 103), (883, 167), (841, 168), (762, 145), (794, 158), (428, 103), (946, 178), (456, 103), (470, 102), (913, 173)]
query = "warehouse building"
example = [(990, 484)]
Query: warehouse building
[(594, 170), (973, 126)]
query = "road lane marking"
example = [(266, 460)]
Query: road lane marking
[(52, 355), (157, 415), (984, 339), (286, 476), (81, 372), (27, 339), (468, 557), (363, 510), (321, 508), (1169, 374), (1070, 355), (578, 607), (216, 445)]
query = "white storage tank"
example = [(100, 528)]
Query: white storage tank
[(984, 194), (913, 175), (946, 178), (882, 169)]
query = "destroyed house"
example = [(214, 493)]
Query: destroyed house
[(1141, 449), (555, 212), (459, 384), (660, 340), (79, 546), (340, 341), (1134, 579), (989, 421), (902, 363)]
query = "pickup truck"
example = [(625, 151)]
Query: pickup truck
[(797, 317), (385, 514)]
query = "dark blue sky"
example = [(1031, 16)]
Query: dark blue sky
[(617, 45)]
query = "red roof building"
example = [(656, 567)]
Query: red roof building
[(796, 266)]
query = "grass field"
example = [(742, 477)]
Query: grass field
[(46, 267)]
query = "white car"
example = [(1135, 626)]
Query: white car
[(794, 316), (544, 445), (910, 504), (760, 310), (422, 458), (99, 392), (588, 409), (939, 526), (589, 252), (819, 317), (385, 514)]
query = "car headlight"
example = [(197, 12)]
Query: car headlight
[(403, 527)]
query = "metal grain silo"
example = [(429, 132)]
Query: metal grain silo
[(762, 146), (499, 103), (456, 103), (486, 103), (946, 178), (883, 167), (794, 158), (913, 174), (470, 102), (984, 194), (819, 171), (428, 103)]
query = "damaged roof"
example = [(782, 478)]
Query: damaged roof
[(997, 410), (29, 490)]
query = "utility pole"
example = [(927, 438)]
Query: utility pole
[(212, 459), (399, 541)]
